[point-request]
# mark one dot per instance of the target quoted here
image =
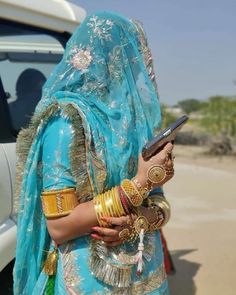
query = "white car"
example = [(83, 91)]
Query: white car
[(33, 35)]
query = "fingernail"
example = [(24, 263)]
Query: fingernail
[(94, 228), (94, 236)]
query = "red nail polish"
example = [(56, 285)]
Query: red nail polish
[(94, 236)]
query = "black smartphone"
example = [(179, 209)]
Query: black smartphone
[(167, 135)]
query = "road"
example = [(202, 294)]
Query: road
[(201, 233)]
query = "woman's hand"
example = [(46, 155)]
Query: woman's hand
[(162, 158), (111, 236)]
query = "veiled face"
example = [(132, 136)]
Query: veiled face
[(103, 51), (107, 66)]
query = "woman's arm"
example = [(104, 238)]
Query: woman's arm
[(82, 220), (57, 175), (78, 223)]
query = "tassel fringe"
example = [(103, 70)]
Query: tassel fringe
[(50, 266), (139, 257)]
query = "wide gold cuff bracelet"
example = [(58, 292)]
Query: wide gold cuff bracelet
[(160, 202), (58, 203)]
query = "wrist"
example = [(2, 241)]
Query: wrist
[(142, 185), (149, 214), (141, 179)]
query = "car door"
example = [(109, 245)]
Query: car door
[(27, 57)]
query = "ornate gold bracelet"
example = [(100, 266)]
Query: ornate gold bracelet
[(155, 175), (160, 203), (58, 203), (143, 190), (132, 193)]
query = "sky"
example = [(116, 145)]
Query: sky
[(193, 43)]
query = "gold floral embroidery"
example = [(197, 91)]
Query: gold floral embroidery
[(146, 52), (71, 270), (100, 28), (151, 283), (116, 63), (99, 171), (81, 58)]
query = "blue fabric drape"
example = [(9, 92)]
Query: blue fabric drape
[(103, 74)]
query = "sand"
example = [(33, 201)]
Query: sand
[(201, 232)]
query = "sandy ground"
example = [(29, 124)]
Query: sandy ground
[(201, 233)]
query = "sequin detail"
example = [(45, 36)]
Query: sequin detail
[(81, 59), (146, 52), (151, 283), (100, 28), (71, 270), (115, 65)]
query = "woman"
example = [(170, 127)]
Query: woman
[(98, 108)]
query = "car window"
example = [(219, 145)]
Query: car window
[(26, 60)]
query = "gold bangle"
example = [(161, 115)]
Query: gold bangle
[(58, 203), (143, 190), (115, 212), (98, 210), (158, 223), (109, 203), (115, 204), (118, 202), (132, 193), (162, 204), (104, 209)]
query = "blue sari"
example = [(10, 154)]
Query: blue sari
[(98, 108)]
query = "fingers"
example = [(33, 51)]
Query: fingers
[(104, 231), (116, 220), (168, 147), (105, 234), (112, 235), (160, 158)]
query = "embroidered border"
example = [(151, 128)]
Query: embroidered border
[(151, 283), (146, 52), (78, 153), (71, 270)]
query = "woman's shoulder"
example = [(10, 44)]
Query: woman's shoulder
[(58, 126)]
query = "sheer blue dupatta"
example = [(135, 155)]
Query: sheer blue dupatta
[(104, 76)]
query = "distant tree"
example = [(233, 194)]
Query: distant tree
[(190, 105), (219, 115), (167, 117)]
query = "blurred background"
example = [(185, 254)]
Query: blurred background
[(193, 45)]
